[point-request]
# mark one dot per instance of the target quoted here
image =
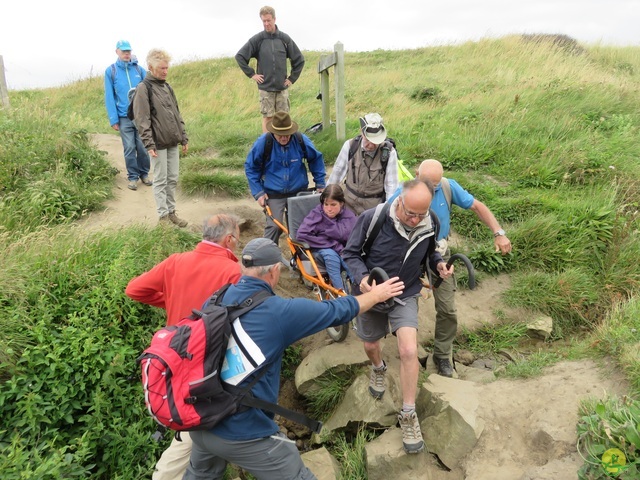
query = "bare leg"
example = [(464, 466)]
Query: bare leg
[(409, 366)]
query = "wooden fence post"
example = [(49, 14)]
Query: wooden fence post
[(339, 72), (335, 59), (4, 91)]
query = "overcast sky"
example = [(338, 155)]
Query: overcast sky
[(46, 43)]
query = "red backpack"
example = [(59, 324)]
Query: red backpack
[(183, 389)]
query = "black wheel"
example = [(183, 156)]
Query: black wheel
[(339, 334)]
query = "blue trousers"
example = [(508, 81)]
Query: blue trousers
[(333, 264), (136, 158)]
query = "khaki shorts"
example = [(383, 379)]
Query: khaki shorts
[(272, 102), (372, 326)]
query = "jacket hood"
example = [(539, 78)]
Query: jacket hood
[(123, 64)]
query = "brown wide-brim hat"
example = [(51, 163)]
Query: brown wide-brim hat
[(281, 124)]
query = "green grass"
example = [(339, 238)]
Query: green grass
[(332, 387), (351, 454)]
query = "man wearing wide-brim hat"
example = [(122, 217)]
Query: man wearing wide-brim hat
[(368, 166), (276, 171)]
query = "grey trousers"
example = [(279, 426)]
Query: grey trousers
[(165, 179), (271, 230), (269, 458)]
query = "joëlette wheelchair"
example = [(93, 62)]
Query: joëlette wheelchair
[(311, 270)]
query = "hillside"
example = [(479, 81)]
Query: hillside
[(544, 133)]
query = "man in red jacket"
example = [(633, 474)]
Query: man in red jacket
[(180, 283)]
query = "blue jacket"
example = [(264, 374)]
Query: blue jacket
[(273, 326), (284, 173), (127, 76)]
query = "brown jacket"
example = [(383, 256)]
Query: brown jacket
[(162, 126)]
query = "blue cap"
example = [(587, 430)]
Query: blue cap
[(123, 45)]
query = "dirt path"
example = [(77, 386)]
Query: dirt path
[(530, 424)]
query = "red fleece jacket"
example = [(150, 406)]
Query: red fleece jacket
[(184, 281)]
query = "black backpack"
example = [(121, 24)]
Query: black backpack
[(183, 370), (268, 147)]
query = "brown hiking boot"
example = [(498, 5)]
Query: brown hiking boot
[(173, 218)]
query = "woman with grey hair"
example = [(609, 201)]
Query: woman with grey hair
[(161, 129)]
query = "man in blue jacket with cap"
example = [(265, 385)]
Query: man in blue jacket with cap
[(121, 78), (251, 439)]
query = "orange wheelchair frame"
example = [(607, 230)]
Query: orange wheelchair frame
[(303, 262)]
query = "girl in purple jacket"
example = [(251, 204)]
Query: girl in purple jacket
[(326, 229)]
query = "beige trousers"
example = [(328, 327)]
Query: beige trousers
[(174, 460)]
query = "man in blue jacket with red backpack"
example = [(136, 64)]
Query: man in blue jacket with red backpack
[(276, 171), (119, 79), (251, 438)]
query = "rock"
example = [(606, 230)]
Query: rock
[(464, 356), (318, 362), (540, 327), (450, 426), (386, 460), (322, 464), (358, 406), (475, 374), (484, 364)]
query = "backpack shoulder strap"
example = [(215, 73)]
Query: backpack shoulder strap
[(446, 189), (378, 219), (266, 151), (148, 85), (300, 140), (353, 146), (113, 73), (138, 69)]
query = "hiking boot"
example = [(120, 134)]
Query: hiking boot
[(376, 381), (146, 181), (173, 218), (444, 367), (411, 435), (133, 185)]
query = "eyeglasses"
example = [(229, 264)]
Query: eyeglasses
[(420, 216)]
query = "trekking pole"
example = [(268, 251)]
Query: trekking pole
[(464, 259)]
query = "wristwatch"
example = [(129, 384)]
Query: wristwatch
[(499, 233)]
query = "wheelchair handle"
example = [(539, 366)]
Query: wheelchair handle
[(464, 259)]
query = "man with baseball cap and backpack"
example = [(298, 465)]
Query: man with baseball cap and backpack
[(119, 79), (251, 438)]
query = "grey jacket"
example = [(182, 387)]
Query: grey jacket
[(160, 125), (271, 51)]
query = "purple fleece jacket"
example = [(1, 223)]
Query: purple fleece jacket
[(320, 231)]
